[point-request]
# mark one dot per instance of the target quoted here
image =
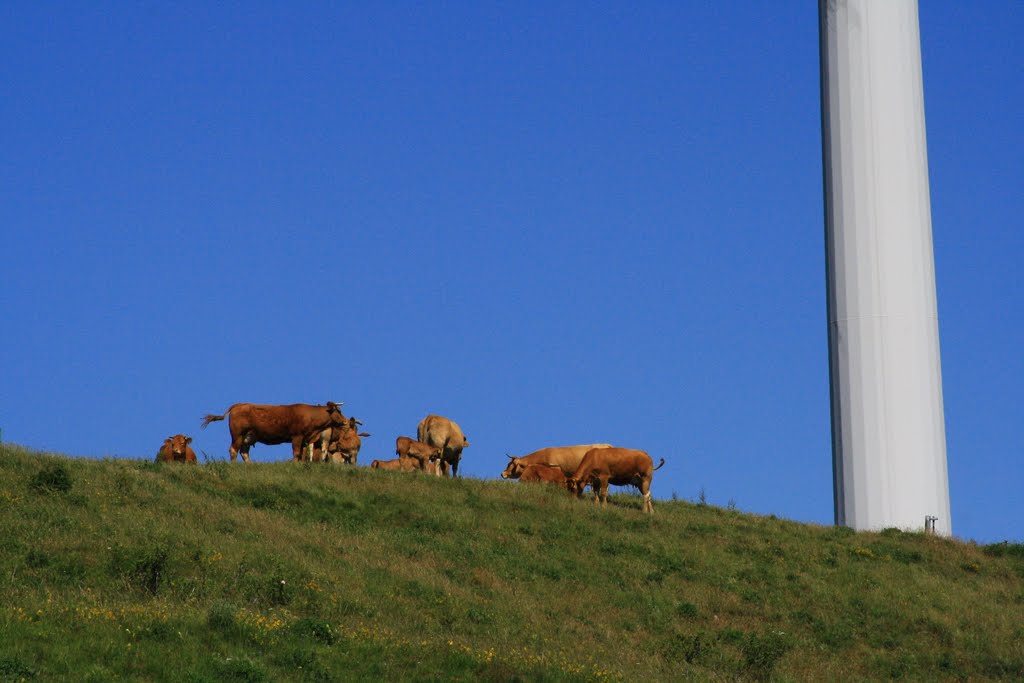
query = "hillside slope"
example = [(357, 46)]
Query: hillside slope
[(128, 570)]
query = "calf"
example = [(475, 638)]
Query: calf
[(424, 454), (176, 449), (619, 466), (396, 465), (544, 474), (345, 447)]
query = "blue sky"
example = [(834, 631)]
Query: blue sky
[(555, 223)]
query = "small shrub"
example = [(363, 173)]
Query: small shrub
[(762, 653), (36, 559), (687, 610), (53, 478), (314, 629), (150, 571), (241, 669), (13, 669), (221, 618)]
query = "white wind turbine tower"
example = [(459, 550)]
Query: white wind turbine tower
[(888, 430)]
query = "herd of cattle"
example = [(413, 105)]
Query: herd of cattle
[(323, 434)]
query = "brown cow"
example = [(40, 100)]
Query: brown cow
[(251, 423), (567, 458), (345, 444), (176, 449), (544, 474), (619, 466), (423, 454), (440, 432), (397, 465)]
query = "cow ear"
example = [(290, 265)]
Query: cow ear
[(188, 439)]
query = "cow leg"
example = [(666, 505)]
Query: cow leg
[(455, 467), (297, 449), (604, 492), (645, 489)]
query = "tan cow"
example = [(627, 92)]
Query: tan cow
[(396, 465), (567, 458), (251, 423), (423, 454), (176, 449), (619, 466), (440, 432), (544, 474)]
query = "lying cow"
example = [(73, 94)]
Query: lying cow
[(176, 449), (396, 465), (442, 433), (251, 423), (421, 453), (567, 458), (544, 474), (619, 466)]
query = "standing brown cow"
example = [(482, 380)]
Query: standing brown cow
[(440, 432), (619, 466), (567, 458), (176, 449), (423, 454), (252, 423)]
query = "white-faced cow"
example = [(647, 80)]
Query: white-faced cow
[(176, 449), (251, 423), (619, 466), (422, 454), (567, 458), (440, 432)]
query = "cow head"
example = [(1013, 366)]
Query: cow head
[(575, 486), (514, 469), (335, 416), (178, 445)]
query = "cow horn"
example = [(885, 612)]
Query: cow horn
[(510, 457)]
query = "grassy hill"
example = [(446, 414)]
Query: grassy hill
[(128, 570)]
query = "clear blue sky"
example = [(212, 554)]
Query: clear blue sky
[(555, 223)]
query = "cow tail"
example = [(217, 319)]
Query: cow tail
[(213, 418), (659, 464)]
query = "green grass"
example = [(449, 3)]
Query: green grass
[(129, 570)]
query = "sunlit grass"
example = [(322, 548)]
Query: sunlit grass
[(128, 570)]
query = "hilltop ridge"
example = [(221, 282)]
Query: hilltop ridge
[(130, 570)]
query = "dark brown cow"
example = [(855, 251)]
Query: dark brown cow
[(252, 423), (619, 466), (423, 454), (544, 474), (440, 432), (345, 444), (397, 465), (176, 449), (567, 458)]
